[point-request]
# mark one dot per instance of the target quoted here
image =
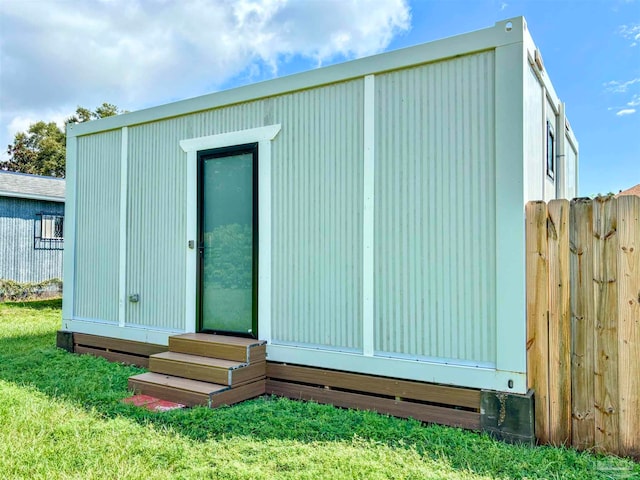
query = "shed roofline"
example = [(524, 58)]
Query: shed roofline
[(31, 175), (31, 196), (503, 33)]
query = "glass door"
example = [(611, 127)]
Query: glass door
[(228, 240)]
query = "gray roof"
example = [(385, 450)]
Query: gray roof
[(22, 185)]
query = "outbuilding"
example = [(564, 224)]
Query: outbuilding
[(361, 221), (31, 234)]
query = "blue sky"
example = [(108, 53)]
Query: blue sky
[(586, 45), (55, 55)]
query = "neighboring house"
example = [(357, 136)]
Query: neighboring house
[(31, 227), (366, 217), (630, 191)]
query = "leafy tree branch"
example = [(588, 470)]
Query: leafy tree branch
[(41, 150)]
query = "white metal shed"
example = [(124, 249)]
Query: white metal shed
[(369, 216)]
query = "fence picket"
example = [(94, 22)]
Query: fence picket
[(606, 334), (559, 324), (582, 323), (537, 310), (629, 324)]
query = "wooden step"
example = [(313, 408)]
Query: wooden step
[(193, 392), (206, 369), (176, 389), (246, 350)]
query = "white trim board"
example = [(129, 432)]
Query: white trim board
[(69, 255), (114, 330), (263, 137), (510, 301), (240, 137), (31, 196), (432, 372), (122, 248), (368, 216)]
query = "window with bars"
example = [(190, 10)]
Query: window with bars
[(48, 232)]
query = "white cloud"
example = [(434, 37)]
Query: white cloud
[(137, 53), (20, 123), (631, 33), (620, 87), (635, 101), (141, 51)]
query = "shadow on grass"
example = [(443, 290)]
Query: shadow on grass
[(98, 385), (36, 304)]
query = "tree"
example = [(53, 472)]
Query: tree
[(84, 114), (41, 150)]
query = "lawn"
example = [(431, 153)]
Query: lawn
[(61, 417)]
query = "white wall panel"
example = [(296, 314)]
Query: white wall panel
[(571, 165), (316, 209), (97, 226), (534, 138), (156, 224), (435, 211), (317, 216)]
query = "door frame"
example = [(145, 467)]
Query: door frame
[(264, 137), (222, 152)]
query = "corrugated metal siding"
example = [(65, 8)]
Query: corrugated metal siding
[(317, 216), (19, 260), (316, 209), (97, 226), (230, 119), (156, 224), (434, 218)]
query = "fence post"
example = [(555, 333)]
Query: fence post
[(582, 323), (537, 311), (605, 267), (629, 324), (559, 324)]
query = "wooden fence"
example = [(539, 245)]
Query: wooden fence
[(583, 322)]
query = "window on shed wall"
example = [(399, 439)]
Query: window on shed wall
[(551, 151), (48, 232)]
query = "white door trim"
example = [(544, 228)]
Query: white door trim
[(263, 137)]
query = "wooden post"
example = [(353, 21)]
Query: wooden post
[(559, 324), (582, 322), (606, 334), (537, 311), (629, 324)]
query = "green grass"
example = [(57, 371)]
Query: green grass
[(61, 417)]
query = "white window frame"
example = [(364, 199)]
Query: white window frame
[(48, 224), (44, 231), (550, 136)]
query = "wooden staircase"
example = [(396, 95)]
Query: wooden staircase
[(203, 369)]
